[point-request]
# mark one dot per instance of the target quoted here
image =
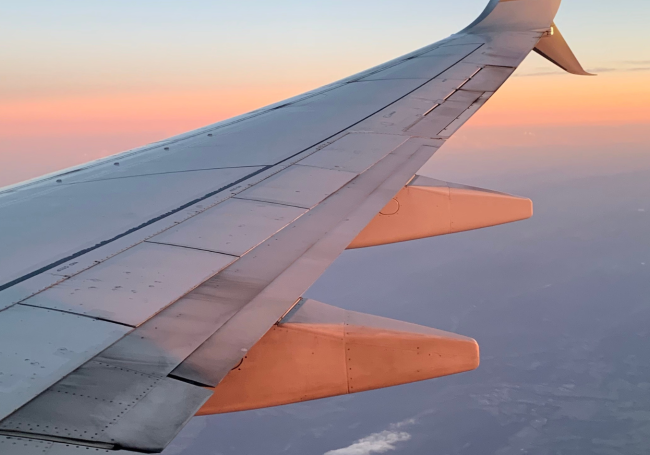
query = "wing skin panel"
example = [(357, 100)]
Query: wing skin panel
[(465, 116), (488, 79), (83, 215), (423, 67), (233, 227), (134, 285), (102, 403), (354, 152), (315, 185), (453, 48), (505, 48), (14, 445), (38, 347)]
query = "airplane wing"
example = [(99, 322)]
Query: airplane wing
[(139, 290)]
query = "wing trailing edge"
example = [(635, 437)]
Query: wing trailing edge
[(319, 351)]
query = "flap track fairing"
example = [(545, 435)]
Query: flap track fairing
[(319, 351), (427, 207)]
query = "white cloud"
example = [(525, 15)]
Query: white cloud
[(374, 443)]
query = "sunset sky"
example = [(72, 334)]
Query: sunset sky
[(82, 80)]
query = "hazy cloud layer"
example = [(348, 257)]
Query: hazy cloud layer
[(378, 442), (375, 443)]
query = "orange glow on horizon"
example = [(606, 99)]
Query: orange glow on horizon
[(38, 136), (614, 98)]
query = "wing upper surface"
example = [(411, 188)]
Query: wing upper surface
[(188, 250)]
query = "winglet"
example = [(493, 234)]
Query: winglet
[(554, 48)]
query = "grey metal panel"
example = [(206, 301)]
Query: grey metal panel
[(463, 97), (164, 341), (460, 72), (505, 49), (354, 152), (38, 347), (233, 227), (299, 186), (423, 68), (451, 49), (465, 116), (489, 79), (103, 403), (308, 247), (16, 445), (134, 285), (398, 117), (437, 90), (26, 288), (440, 117), (82, 215)]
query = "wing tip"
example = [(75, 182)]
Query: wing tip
[(554, 48)]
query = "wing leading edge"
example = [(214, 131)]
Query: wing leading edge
[(210, 239)]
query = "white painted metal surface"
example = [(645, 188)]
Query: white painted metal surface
[(14, 445), (454, 47), (299, 186), (354, 152), (163, 342), (111, 405), (422, 68), (83, 215), (432, 124), (465, 116), (233, 227), (38, 347), (489, 79), (460, 72), (134, 285)]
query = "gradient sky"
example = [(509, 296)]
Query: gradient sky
[(82, 80), (553, 300)]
